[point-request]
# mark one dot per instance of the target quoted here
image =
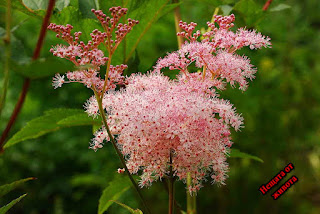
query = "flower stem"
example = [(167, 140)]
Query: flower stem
[(171, 187), (114, 144), (177, 18), (191, 200), (26, 83)]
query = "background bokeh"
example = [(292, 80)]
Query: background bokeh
[(281, 109)]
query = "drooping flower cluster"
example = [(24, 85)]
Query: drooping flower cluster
[(155, 115), (215, 54), (88, 57)]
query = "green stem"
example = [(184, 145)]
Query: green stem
[(191, 200), (114, 144), (7, 42), (177, 18)]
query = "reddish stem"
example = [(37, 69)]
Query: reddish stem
[(26, 83), (266, 5)]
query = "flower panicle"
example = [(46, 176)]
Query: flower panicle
[(88, 57), (215, 53)]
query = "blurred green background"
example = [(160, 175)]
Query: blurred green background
[(281, 109)]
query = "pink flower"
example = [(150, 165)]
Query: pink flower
[(215, 54), (154, 115)]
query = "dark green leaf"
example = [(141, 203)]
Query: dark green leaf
[(4, 189), (113, 191), (5, 209), (235, 153), (49, 123)]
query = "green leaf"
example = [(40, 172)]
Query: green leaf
[(18, 5), (249, 10), (147, 13), (80, 120), (5, 208), (113, 191), (235, 153), (43, 4), (132, 211), (85, 7), (4, 189), (226, 9), (43, 67), (60, 4), (280, 7), (49, 122)]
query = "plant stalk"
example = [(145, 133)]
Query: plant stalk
[(266, 5), (191, 200), (114, 144), (177, 18), (26, 83)]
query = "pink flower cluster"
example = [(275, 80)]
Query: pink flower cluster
[(215, 54), (157, 119), (154, 115), (88, 57)]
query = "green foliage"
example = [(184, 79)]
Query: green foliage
[(132, 211), (5, 208), (5, 189), (112, 192), (250, 11), (52, 120), (43, 67), (235, 153), (18, 5)]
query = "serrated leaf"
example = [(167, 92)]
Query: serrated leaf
[(280, 7), (235, 153), (43, 67), (5, 208), (44, 124), (4, 189), (113, 191), (132, 211)]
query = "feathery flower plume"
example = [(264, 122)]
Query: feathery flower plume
[(155, 115)]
